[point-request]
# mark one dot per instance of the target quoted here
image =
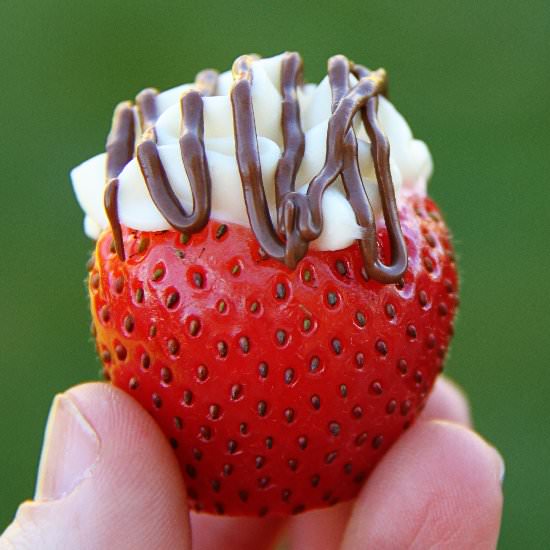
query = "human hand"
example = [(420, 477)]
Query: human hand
[(108, 479)]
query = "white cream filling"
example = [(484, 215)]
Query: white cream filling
[(410, 159)]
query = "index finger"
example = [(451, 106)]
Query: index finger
[(447, 402), (233, 533), (438, 486)]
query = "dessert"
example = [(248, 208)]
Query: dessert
[(270, 279)]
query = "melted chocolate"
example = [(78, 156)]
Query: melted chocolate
[(120, 150), (196, 166), (110, 201), (146, 106), (299, 217), (120, 143)]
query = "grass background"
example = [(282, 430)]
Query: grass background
[(473, 79)]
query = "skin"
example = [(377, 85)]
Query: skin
[(109, 479)]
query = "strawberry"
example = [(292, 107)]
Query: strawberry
[(278, 389)]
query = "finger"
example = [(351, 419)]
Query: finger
[(439, 486), (447, 402), (107, 479), (215, 533), (324, 529), (319, 529)]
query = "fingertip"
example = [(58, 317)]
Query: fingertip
[(110, 479), (319, 529), (139, 483), (447, 402), (439, 484), (234, 533), (100, 399)]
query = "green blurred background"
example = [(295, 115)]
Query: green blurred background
[(473, 79)]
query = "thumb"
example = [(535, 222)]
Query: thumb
[(107, 479)]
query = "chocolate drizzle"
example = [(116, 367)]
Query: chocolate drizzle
[(110, 200), (196, 166), (147, 112), (146, 104), (120, 142), (120, 150), (248, 161), (299, 217)]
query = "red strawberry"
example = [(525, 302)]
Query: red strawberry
[(279, 389)]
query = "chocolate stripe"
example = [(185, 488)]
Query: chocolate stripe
[(195, 164), (146, 106), (293, 136), (380, 150), (351, 174), (110, 200), (359, 71), (248, 160), (120, 150), (120, 143), (338, 126)]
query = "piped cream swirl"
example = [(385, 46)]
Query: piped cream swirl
[(410, 160)]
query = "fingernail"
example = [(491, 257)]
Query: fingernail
[(502, 471), (69, 452)]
